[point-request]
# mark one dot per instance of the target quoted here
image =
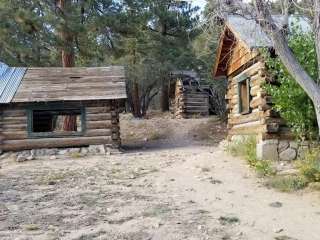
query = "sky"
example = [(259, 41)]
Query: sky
[(200, 3)]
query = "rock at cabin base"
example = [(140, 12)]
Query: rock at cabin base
[(97, 149), (23, 156), (288, 155), (283, 145), (84, 151), (73, 150), (268, 150)]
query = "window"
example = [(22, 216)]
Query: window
[(56, 122), (244, 95)]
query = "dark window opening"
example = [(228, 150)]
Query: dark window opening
[(244, 96), (56, 122)]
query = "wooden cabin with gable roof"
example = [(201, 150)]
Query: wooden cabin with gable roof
[(60, 107), (239, 59)]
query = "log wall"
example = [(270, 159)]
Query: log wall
[(262, 119), (101, 120), (189, 102)]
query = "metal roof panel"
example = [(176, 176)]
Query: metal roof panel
[(10, 79)]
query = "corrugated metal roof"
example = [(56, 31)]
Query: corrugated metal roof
[(253, 35), (10, 79)]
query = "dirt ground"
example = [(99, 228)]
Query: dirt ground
[(172, 182)]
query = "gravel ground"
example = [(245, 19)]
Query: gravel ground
[(172, 182)]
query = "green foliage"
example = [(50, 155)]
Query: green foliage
[(289, 98), (151, 38), (265, 168), (287, 183), (309, 166), (246, 148)]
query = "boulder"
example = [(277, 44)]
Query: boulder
[(294, 145), (283, 145), (289, 154)]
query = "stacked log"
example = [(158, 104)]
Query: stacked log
[(190, 101), (101, 127), (262, 119)]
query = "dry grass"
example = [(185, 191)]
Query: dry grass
[(212, 130)]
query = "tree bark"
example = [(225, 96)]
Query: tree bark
[(67, 55), (136, 100), (164, 98), (317, 33)]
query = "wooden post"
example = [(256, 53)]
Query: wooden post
[(1, 130), (115, 129)]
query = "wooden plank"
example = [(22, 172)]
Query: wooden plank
[(13, 145), (98, 132), (14, 113), (99, 125), (98, 117)]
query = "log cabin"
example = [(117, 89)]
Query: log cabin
[(190, 99), (250, 111), (60, 107)]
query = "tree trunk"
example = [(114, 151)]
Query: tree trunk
[(136, 100), (164, 97), (67, 55), (317, 33)]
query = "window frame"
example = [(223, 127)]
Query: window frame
[(55, 107), (240, 80)]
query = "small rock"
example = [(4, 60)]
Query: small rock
[(279, 230), (84, 151), (109, 210), (73, 150), (52, 183), (63, 151), (95, 149), (31, 157), (31, 227), (228, 220), (53, 157), (21, 158), (102, 149), (284, 238), (276, 204)]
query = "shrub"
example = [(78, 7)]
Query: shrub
[(247, 149), (309, 166), (289, 98), (265, 168), (287, 183)]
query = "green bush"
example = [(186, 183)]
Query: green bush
[(265, 168), (287, 183), (289, 98), (309, 166), (247, 149)]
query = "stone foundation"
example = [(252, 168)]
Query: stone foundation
[(277, 150), (282, 150), (56, 153)]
